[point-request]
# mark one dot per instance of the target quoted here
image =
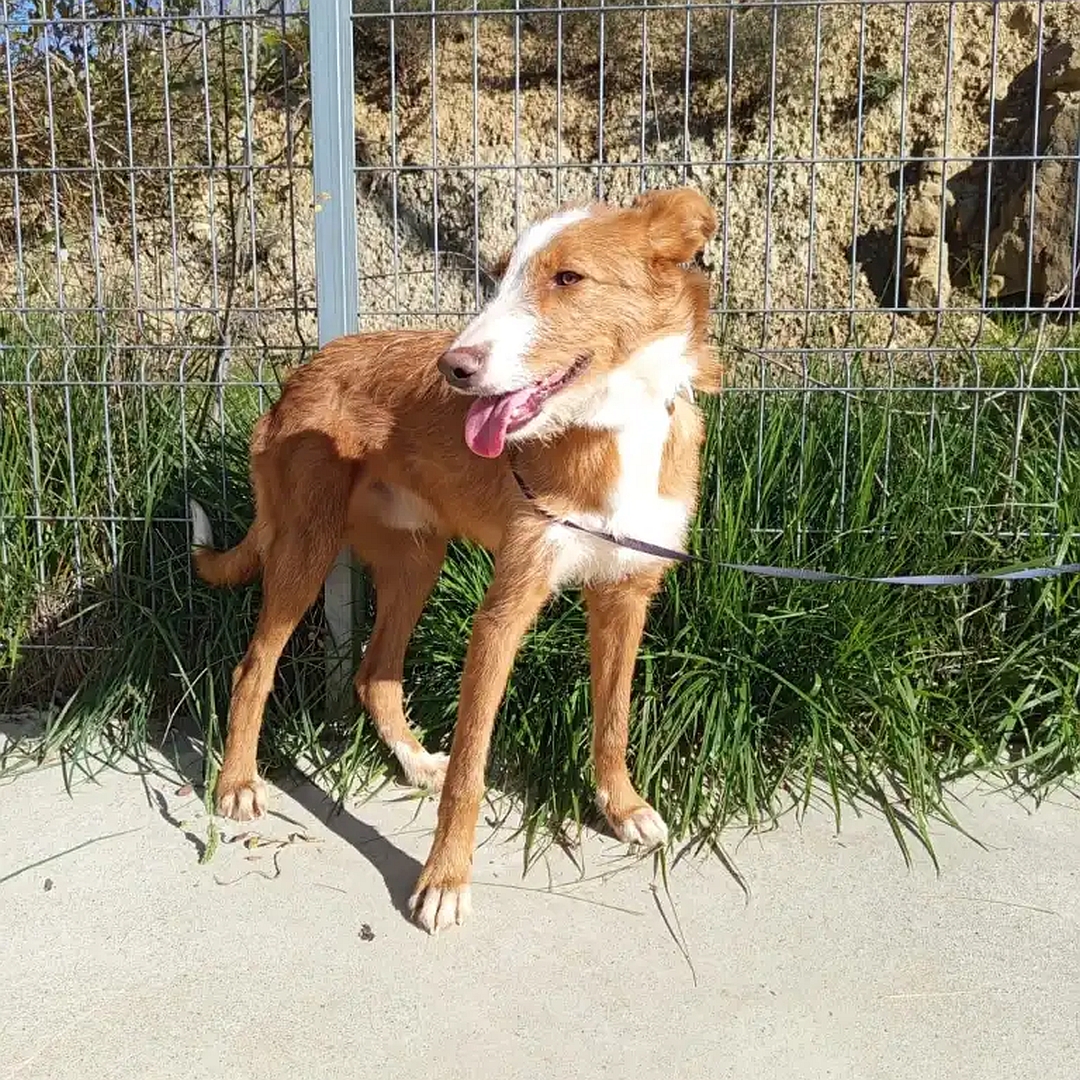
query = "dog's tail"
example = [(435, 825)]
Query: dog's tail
[(237, 566)]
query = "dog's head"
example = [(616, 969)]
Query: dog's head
[(592, 301)]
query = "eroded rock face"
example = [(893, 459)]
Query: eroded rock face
[(926, 282), (805, 231), (926, 274), (1037, 223)]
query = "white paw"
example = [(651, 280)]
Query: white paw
[(244, 801), (644, 827), (422, 770), (436, 908)]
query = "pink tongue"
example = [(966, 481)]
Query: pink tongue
[(488, 419)]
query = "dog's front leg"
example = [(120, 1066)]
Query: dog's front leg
[(514, 599), (616, 616)]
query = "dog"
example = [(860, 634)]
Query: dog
[(558, 430)]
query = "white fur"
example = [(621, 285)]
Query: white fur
[(245, 802), (399, 508), (633, 403), (439, 908), (422, 769), (656, 373), (507, 326), (535, 239), (202, 536), (644, 827)]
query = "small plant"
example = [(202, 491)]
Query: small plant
[(878, 85)]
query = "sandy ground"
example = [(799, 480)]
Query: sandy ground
[(124, 957)]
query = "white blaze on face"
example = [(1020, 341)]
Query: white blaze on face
[(507, 326)]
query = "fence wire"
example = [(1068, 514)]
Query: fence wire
[(896, 185)]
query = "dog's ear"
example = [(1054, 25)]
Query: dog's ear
[(679, 221)]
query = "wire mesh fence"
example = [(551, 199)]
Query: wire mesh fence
[(898, 248)]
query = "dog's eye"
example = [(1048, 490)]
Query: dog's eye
[(566, 277)]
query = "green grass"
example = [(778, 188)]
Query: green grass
[(753, 695), (879, 84)]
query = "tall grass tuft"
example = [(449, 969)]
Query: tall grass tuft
[(753, 695)]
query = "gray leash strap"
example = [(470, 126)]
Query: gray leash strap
[(792, 573), (798, 574)]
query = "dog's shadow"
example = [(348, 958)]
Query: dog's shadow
[(398, 870), (184, 762)]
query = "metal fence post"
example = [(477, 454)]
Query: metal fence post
[(336, 276)]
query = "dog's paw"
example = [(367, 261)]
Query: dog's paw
[(421, 769), (436, 907), (243, 800), (642, 827)]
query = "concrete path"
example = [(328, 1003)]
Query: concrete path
[(123, 957)]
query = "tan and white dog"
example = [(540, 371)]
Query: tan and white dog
[(580, 371)]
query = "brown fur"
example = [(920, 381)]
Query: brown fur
[(365, 448)]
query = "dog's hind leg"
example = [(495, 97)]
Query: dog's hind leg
[(404, 569), (296, 565)]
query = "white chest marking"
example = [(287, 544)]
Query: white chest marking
[(635, 408)]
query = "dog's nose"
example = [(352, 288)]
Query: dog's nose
[(460, 366)]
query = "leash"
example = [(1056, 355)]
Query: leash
[(792, 573)]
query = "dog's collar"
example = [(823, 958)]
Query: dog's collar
[(643, 547)]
